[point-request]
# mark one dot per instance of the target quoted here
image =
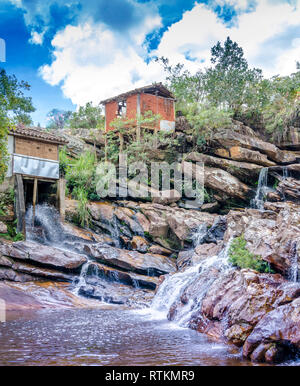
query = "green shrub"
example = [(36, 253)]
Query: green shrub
[(240, 256), (82, 210)]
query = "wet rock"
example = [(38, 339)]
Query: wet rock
[(217, 179), (242, 170), (143, 221), (20, 271), (158, 225), (211, 207), (131, 260), (12, 275), (3, 228), (38, 295), (96, 293), (234, 302), (167, 197), (238, 153), (42, 254), (281, 328), (234, 137), (139, 244), (125, 216), (159, 250), (101, 211), (183, 222), (273, 236), (289, 189), (115, 275), (217, 230)]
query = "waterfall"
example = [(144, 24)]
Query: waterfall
[(262, 187), (173, 287), (293, 271), (199, 235)]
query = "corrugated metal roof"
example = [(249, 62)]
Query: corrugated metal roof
[(37, 134), (154, 88)]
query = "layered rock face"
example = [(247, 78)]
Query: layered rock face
[(259, 312)]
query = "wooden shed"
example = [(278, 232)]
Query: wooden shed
[(34, 169), (155, 98)]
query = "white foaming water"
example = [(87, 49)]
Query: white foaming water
[(293, 273), (174, 285), (262, 188), (199, 235)]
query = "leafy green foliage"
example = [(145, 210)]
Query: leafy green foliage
[(87, 117), (14, 108), (241, 257)]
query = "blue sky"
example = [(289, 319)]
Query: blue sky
[(75, 51)]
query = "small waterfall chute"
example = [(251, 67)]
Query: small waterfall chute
[(261, 191), (173, 287)]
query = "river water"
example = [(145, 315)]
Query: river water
[(107, 337)]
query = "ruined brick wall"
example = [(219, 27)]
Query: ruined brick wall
[(111, 110), (158, 105)]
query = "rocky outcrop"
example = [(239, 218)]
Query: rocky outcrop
[(48, 256), (236, 137), (244, 308), (218, 180), (36, 295), (147, 264), (273, 236), (242, 170), (238, 153), (276, 336)]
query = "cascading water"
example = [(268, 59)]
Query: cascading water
[(199, 235), (262, 188), (293, 272), (173, 286)]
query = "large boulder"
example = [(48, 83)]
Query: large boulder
[(112, 274), (232, 137), (42, 254), (273, 236), (239, 153), (143, 263), (218, 180), (242, 170), (276, 336), (20, 271)]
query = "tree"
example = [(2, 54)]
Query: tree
[(228, 82), (58, 119), (186, 87), (87, 117), (15, 107)]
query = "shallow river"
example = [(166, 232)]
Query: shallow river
[(106, 337)]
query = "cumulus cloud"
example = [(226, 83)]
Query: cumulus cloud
[(98, 56), (92, 63), (257, 32)]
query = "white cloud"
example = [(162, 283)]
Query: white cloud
[(91, 62), (37, 38), (94, 63), (200, 28)]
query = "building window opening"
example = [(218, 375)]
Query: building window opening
[(122, 109)]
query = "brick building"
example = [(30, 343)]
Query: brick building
[(155, 98)]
